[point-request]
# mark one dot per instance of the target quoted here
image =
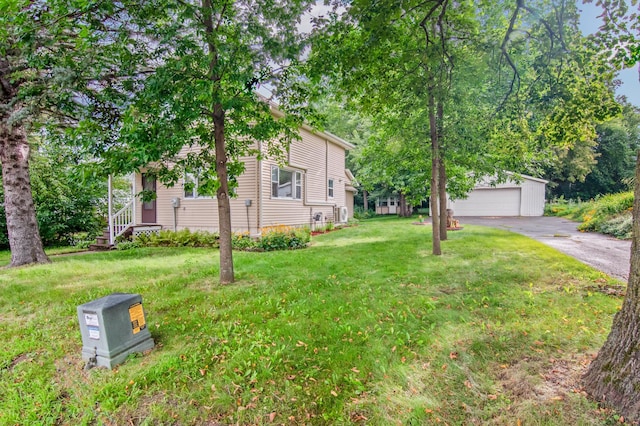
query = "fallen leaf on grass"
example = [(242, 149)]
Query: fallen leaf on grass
[(272, 417), (334, 393), (453, 355)]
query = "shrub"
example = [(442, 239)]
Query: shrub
[(82, 240), (284, 238), (603, 209), (360, 213), (619, 226), (244, 242), (609, 214), (182, 238), (128, 245), (273, 238)]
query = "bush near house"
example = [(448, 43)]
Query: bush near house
[(608, 214), (273, 238)]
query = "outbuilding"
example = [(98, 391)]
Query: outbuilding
[(519, 195)]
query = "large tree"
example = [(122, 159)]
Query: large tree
[(398, 63), (614, 376), (212, 57), (58, 60), (25, 44)]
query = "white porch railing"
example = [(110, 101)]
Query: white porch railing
[(121, 221), (124, 218)]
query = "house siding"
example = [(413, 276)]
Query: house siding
[(202, 213), (311, 156), (316, 157)]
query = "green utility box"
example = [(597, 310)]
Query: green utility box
[(113, 327)]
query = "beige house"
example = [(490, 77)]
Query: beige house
[(312, 189)]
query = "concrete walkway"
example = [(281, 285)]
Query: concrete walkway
[(605, 253)]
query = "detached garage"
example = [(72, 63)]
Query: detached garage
[(510, 198)]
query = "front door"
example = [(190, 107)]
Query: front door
[(149, 207)]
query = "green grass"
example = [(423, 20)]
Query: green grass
[(5, 255), (365, 326), (608, 214)]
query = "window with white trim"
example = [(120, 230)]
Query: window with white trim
[(286, 183), (330, 188), (192, 183)]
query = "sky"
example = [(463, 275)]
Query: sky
[(589, 23)]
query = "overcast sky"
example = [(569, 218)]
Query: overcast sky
[(589, 24)]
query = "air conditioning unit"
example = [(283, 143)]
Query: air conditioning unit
[(344, 214)]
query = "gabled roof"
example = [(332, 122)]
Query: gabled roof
[(325, 135), (527, 177)]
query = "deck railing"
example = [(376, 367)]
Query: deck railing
[(121, 221)]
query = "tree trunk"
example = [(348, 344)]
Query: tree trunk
[(365, 201), (442, 184), (435, 193), (22, 225), (224, 206), (442, 176), (614, 376), (402, 206)]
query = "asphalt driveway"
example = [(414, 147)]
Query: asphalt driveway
[(605, 253)]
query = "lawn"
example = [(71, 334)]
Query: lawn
[(364, 326)]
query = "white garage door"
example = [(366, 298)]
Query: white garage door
[(489, 202)]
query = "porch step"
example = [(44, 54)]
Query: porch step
[(101, 247), (102, 243)]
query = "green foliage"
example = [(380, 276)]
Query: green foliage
[(82, 240), (608, 214), (360, 213), (243, 241), (273, 238), (620, 226), (67, 201), (182, 238), (284, 238), (614, 156), (129, 245)]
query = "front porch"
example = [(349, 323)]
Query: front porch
[(123, 221)]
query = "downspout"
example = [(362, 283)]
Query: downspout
[(326, 170), (110, 209), (260, 195)]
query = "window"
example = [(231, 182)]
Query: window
[(392, 203), (192, 184), (286, 183), (330, 188)]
